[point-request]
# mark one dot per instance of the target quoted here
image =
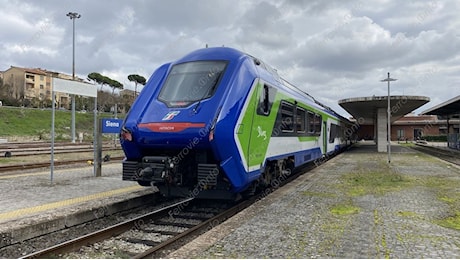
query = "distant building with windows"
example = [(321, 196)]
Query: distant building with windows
[(34, 86), (412, 127), (128, 93)]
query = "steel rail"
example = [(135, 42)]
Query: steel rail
[(28, 166), (20, 153), (182, 238), (196, 230), (451, 156), (103, 234)]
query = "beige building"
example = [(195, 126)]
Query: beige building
[(34, 86), (128, 93)]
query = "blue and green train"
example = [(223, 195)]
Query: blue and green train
[(218, 123)]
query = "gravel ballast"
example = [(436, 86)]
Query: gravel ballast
[(354, 206)]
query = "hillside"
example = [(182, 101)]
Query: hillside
[(35, 124)]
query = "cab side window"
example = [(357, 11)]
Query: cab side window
[(266, 99)]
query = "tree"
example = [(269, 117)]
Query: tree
[(104, 80), (97, 78), (137, 80), (114, 84)]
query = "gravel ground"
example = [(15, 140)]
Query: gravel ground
[(72, 192), (354, 206)]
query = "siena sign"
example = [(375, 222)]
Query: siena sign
[(111, 125)]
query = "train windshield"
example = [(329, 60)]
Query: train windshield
[(190, 82)]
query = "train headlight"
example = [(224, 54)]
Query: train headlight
[(125, 134), (211, 135)]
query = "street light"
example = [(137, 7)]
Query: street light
[(73, 16), (388, 79)]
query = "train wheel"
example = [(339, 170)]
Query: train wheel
[(144, 183), (289, 165)]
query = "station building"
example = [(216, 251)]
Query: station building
[(450, 112), (410, 127), (370, 113)]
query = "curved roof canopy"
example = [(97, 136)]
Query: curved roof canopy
[(366, 107), (450, 107)]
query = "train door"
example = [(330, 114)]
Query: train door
[(325, 137), (262, 125), (256, 125)]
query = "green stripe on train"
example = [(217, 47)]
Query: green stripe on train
[(255, 130)]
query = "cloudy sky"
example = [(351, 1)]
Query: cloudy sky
[(332, 49)]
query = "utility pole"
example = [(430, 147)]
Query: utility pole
[(388, 79), (73, 16)]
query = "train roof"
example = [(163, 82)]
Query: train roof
[(228, 53)]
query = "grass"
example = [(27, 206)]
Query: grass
[(37, 123), (346, 208), (407, 214), (450, 221), (447, 191), (318, 194), (409, 144), (381, 179), (376, 182)]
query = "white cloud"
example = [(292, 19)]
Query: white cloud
[(332, 49)]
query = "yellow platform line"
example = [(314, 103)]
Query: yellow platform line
[(68, 202), (23, 175), (61, 171)]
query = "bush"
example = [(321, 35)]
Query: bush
[(435, 138), (7, 101)]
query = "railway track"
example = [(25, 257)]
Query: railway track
[(38, 145), (29, 149), (33, 155), (155, 234), (452, 156), (29, 166), (148, 235)]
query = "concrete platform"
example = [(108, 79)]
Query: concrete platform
[(377, 110), (31, 205), (334, 211), (354, 206)]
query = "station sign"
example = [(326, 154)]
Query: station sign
[(111, 125), (74, 87)]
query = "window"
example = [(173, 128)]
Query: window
[(190, 82), (400, 133), (287, 117), (300, 120), (266, 99), (264, 103), (314, 123), (318, 120), (311, 122), (293, 120), (334, 133)]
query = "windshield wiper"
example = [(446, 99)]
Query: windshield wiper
[(207, 93)]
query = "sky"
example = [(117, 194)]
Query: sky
[(334, 49)]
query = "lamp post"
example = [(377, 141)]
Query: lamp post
[(73, 16), (388, 79)]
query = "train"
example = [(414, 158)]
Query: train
[(219, 123)]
